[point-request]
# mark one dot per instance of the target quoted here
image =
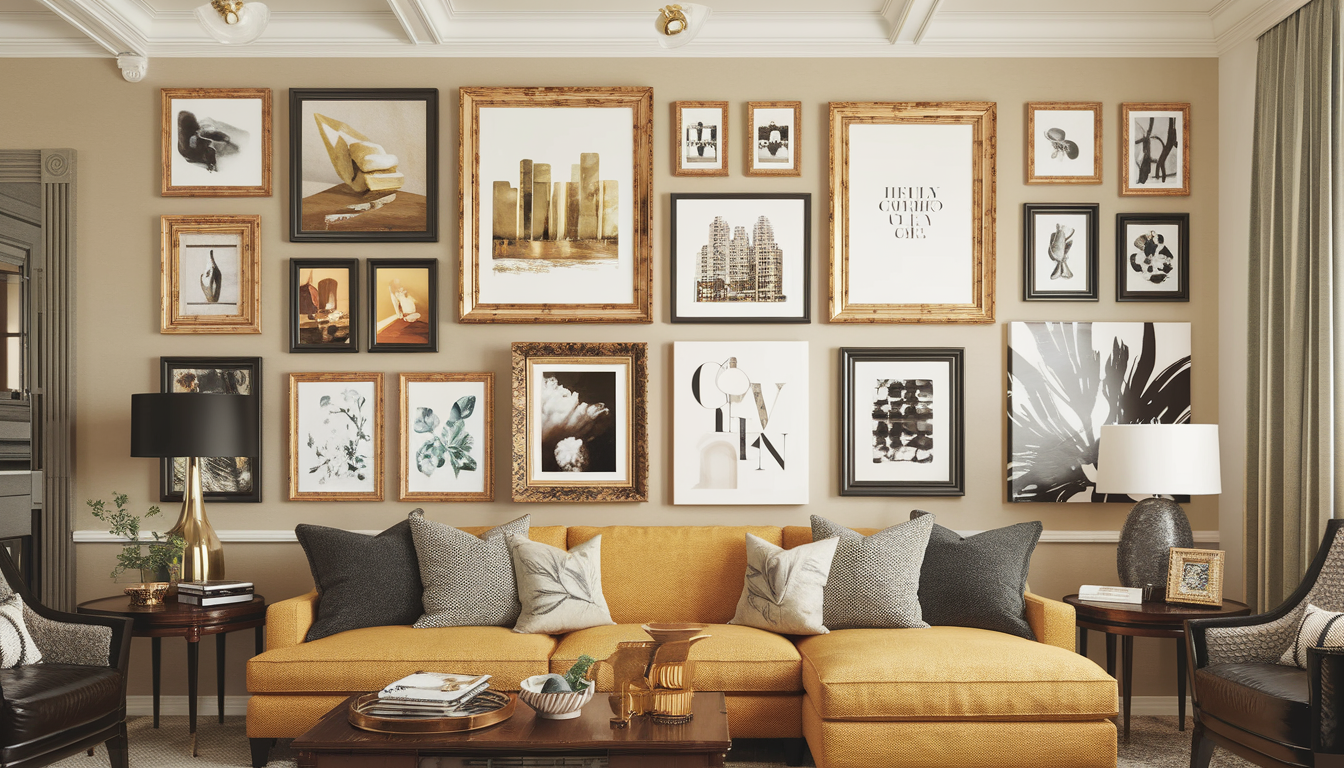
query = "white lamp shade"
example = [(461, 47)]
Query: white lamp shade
[(252, 19), (1153, 459), (696, 14)]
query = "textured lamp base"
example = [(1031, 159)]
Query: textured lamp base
[(1153, 527)]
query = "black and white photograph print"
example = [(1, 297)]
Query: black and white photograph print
[(216, 142), (1064, 142), (1155, 149), (772, 134), (209, 274), (1066, 380), (1060, 252), (578, 410), (700, 143), (1152, 257), (223, 479)]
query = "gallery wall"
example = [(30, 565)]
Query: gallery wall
[(114, 125)]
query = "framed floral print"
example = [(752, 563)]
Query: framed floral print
[(446, 438), (335, 437), (1195, 576)]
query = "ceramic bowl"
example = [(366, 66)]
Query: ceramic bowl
[(554, 706), (666, 633)]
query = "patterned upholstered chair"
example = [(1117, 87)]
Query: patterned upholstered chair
[(1248, 703), (75, 698)]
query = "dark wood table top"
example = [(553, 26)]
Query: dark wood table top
[(176, 619), (1156, 619)]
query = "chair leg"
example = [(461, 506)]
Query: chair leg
[(1201, 749), (118, 750), (261, 751)]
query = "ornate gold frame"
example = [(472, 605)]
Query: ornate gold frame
[(677, 170), (168, 94), (1155, 106), (248, 228), (634, 355), (1059, 106), (982, 117), (354, 378), (1179, 556), (470, 308), (487, 450), (795, 145)]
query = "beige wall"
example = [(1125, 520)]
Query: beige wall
[(114, 125)]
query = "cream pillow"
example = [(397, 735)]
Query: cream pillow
[(16, 645), (1319, 628), (784, 589), (560, 591)]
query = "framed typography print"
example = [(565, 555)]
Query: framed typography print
[(1152, 257), (740, 426), (216, 142), (912, 212), (580, 422), (324, 305), (1155, 149), (210, 274), (363, 165), (1059, 252), (901, 423), (741, 258), (700, 144), (403, 305), (772, 138), (1064, 142), (555, 190), (335, 437), (1195, 576), (223, 479), (445, 437)]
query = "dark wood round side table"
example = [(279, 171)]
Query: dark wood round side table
[(176, 619), (1152, 619)]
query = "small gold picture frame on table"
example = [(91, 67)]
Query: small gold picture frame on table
[(210, 274), (1195, 576)]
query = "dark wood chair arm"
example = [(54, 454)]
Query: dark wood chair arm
[(1325, 676)]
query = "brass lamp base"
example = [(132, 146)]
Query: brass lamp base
[(203, 556)]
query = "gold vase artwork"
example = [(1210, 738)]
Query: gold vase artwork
[(654, 677)]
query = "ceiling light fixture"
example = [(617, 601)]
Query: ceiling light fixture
[(232, 22), (678, 24)]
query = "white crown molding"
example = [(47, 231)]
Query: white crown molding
[(1236, 21), (414, 19), (101, 24)]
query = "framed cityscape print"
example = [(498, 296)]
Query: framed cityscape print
[(324, 305), (901, 422), (1152, 257), (335, 437), (740, 426), (210, 274), (1155, 149), (556, 189), (741, 258), (216, 142), (580, 422), (912, 212), (403, 305), (1059, 252), (700, 144), (363, 165), (772, 138), (1064, 142), (223, 479), (446, 437)]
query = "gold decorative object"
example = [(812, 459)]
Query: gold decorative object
[(671, 20), (500, 708), (227, 9), (1195, 576), (148, 595), (654, 677), (203, 555)]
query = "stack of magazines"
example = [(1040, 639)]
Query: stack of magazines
[(431, 694), (209, 593)]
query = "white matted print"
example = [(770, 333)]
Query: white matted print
[(740, 422), (1060, 252), (336, 436), (702, 140), (211, 265), (772, 133), (1155, 149), (580, 411), (446, 437), (1064, 143), (216, 142), (1152, 257)]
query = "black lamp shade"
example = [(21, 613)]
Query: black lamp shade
[(193, 425)]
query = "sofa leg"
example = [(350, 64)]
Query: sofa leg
[(118, 750), (261, 751), (795, 751), (1201, 748)]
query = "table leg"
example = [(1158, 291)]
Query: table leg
[(156, 655), (1110, 654), (261, 638), (1180, 683), (1128, 644), (193, 659), (1082, 642), (219, 672)]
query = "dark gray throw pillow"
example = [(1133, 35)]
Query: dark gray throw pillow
[(978, 581), (362, 580)]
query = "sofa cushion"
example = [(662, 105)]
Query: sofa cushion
[(560, 591), (950, 673), (353, 594), (468, 579), (734, 659), (784, 588), (1270, 700), (44, 699), (874, 581)]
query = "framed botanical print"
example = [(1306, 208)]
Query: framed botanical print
[(1154, 149), (772, 138), (901, 423), (912, 212), (210, 274), (741, 258), (335, 437), (1064, 142), (1059, 252), (446, 437), (740, 427), (700, 145), (1152, 257), (556, 210), (403, 305), (1195, 576), (363, 165), (580, 422), (324, 305), (216, 142), (223, 479)]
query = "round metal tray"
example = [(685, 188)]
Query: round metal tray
[(503, 703)]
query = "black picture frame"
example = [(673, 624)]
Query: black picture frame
[(804, 261), (432, 332), (1125, 247), (167, 368), (954, 483), (296, 269), (297, 125), (1091, 259)]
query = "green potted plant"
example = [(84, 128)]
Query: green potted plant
[(157, 559)]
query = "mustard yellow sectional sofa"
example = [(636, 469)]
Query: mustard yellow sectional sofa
[(943, 696)]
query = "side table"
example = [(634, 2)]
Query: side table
[(176, 619), (1152, 619)]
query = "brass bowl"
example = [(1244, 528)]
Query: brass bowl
[(667, 633), (148, 595)]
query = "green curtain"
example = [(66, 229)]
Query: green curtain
[(1294, 469)]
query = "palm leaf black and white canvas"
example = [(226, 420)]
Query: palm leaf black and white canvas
[(1065, 380)]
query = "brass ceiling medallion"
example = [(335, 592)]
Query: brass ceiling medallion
[(227, 9), (671, 20)]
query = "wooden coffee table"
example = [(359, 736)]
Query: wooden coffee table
[(702, 743)]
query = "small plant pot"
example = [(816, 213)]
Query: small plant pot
[(149, 595), (554, 706)]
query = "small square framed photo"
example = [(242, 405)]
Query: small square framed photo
[(324, 305), (772, 138), (210, 274), (216, 142), (1154, 149), (1064, 142), (1195, 576), (446, 437), (1152, 257), (403, 305), (1059, 252), (335, 437), (700, 144)]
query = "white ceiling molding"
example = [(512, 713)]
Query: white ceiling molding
[(1236, 21), (100, 23), (908, 19), (414, 19)]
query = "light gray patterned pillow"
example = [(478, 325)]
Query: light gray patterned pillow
[(16, 645), (468, 580), (875, 579), (783, 590), (1319, 629), (66, 643), (560, 591)]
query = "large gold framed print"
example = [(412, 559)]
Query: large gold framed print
[(912, 212)]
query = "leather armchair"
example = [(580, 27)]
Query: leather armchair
[(76, 698)]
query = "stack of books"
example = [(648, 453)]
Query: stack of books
[(210, 593), (431, 694)]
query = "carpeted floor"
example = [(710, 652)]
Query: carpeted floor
[(1154, 742)]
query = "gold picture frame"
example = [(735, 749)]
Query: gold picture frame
[(717, 139), (229, 140), (218, 289), (324, 448), (601, 218), (759, 144), (577, 458), (1195, 576), (1037, 139), (1156, 181), (443, 447)]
